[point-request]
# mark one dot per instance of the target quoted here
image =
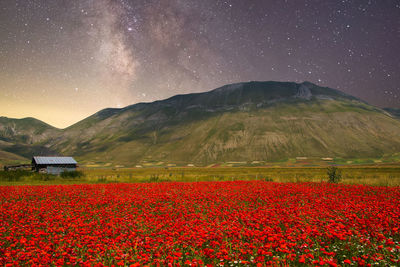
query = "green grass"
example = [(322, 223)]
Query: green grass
[(370, 175)]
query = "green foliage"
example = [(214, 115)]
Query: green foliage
[(30, 176), (24, 175), (334, 174), (101, 179), (72, 175), (13, 175), (268, 179), (371, 175), (154, 178)]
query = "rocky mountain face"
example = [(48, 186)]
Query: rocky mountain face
[(267, 121)]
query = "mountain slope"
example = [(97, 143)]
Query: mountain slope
[(254, 121), (26, 130), (241, 122), (21, 138)]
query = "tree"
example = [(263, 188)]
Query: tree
[(334, 174)]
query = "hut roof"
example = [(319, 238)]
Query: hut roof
[(54, 160)]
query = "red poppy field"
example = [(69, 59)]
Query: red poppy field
[(195, 224)]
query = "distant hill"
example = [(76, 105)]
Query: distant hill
[(20, 138), (27, 130), (254, 121)]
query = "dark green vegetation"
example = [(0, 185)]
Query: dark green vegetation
[(72, 175), (239, 123), (334, 174), (371, 175), (29, 177)]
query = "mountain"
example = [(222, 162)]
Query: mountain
[(21, 138), (254, 121), (26, 130)]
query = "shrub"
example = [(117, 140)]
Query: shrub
[(25, 175), (154, 178), (35, 176), (16, 175), (334, 174), (101, 179), (71, 174), (268, 179)]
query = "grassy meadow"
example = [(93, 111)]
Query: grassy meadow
[(371, 175)]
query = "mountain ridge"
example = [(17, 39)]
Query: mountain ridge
[(248, 121)]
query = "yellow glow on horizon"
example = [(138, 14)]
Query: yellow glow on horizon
[(59, 118), (55, 102)]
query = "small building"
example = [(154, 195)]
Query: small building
[(54, 165)]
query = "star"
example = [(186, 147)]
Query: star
[(124, 52)]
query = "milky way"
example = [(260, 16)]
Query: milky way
[(64, 60)]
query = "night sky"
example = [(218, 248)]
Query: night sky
[(63, 60)]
